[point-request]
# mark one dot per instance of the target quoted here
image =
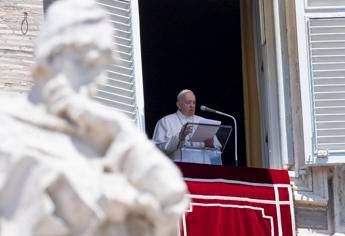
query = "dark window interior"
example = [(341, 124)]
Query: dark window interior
[(193, 44)]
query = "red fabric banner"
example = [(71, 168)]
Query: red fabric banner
[(237, 201)]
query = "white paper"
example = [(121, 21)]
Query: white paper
[(206, 129)]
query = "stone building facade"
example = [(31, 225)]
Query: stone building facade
[(19, 26)]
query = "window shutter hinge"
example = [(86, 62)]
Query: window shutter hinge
[(322, 153)]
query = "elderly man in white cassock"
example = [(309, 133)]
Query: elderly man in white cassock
[(171, 134)]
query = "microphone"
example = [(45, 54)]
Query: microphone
[(205, 108)]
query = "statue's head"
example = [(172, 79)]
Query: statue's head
[(76, 40)]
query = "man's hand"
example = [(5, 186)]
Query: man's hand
[(185, 131), (209, 143)]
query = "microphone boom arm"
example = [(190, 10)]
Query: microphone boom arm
[(204, 108)]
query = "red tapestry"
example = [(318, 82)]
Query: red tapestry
[(237, 201)]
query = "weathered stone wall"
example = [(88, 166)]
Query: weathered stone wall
[(16, 47)]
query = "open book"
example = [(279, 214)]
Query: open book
[(205, 129)]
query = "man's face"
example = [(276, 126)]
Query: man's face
[(186, 104)]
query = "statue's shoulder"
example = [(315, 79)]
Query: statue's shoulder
[(14, 105), (19, 110)]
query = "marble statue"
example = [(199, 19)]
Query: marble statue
[(70, 166)]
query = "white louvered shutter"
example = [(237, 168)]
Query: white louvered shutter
[(325, 3), (327, 58), (322, 65), (120, 90)]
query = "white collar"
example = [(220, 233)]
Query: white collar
[(183, 117)]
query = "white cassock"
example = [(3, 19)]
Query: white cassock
[(166, 137)]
